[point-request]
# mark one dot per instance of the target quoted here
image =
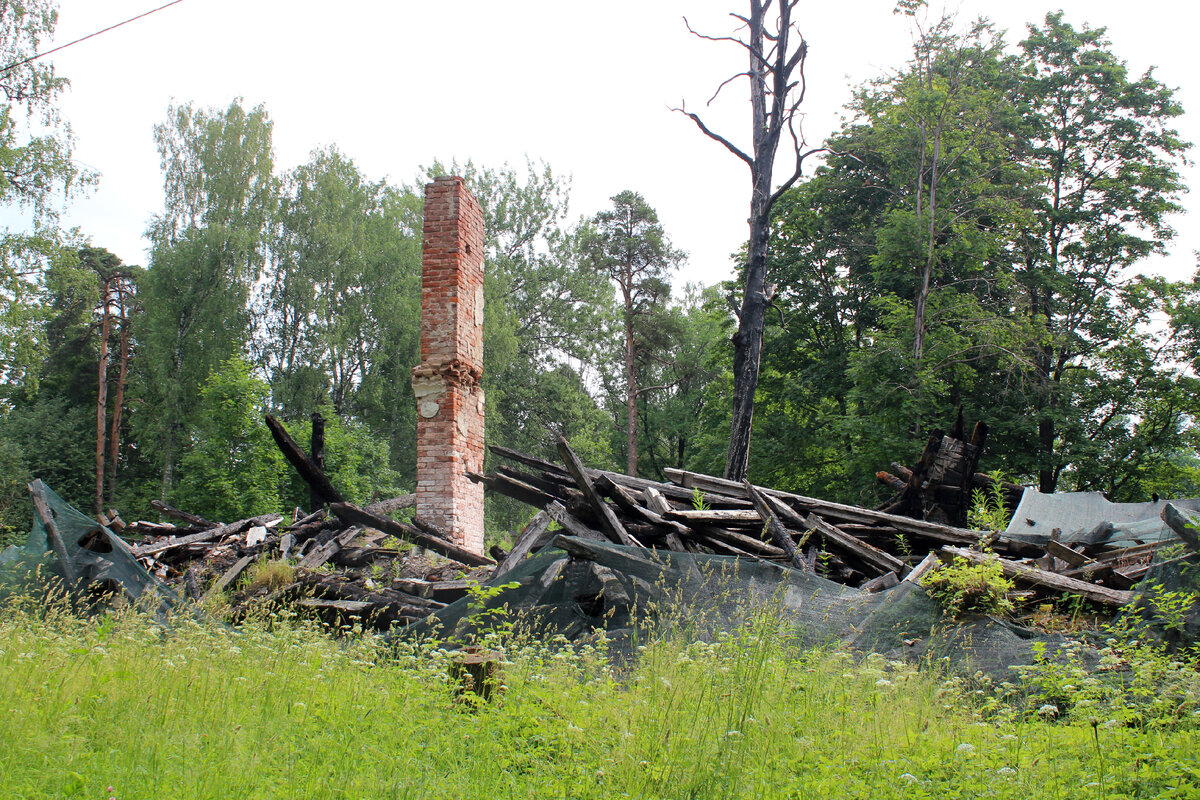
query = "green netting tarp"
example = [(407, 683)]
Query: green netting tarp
[(104, 565), (575, 586), (1090, 518)]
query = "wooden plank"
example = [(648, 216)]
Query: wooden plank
[(782, 539), (517, 489), (353, 515), (524, 543), (209, 535), (1039, 577), (1063, 553), (921, 570), (745, 544), (608, 518), (878, 560), (659, 505), (827, 509), (715, 516), (624, 498), (52, 534), (1181, 524), (571, 524), (319, 555), (229, 577), (191, 519)]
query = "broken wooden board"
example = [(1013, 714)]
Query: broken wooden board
[(1041, 578)]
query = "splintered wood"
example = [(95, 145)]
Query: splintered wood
[(866, 548)]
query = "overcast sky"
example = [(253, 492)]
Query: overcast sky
[(586, 87)]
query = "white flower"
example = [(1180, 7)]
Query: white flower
[(1048, 710), (883, 682), (1006, 772), (965, 749), (910, 778)]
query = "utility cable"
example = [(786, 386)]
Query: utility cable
[(89, 36)]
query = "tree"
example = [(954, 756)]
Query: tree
[(628, 245), (777, 54), (37, 175), (1109, 158), (107, 269), (233, 468), (207, 249)]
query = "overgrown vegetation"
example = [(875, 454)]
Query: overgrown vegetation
[(964, 587), (164, 712)]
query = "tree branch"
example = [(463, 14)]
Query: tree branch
[(730, 146)]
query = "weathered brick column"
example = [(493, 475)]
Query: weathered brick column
[(447, 381)]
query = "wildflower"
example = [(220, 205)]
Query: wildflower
[(883, 682), (910, 778), (965, 749), (1047, 710), (1006, 772)]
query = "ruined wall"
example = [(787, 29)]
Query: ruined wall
[(449, 396)]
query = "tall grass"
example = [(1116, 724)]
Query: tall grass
[(283, 710)]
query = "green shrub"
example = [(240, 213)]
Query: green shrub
[(964, 587)]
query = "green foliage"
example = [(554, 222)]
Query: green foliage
[(356, 460), (232, 468), (685, 719), (207, 249), (964, 587), (988, 511)]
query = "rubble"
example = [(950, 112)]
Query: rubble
[(868, 549)]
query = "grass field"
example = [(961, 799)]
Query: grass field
[(118, 707)]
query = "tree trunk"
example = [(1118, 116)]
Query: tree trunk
[(316, 452), (631, 410), (114, 436), (102, 392), (747, 342)]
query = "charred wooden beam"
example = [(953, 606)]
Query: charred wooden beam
[(310, 472), (352, 515), (612, 526), (191, 519), (779, 536)]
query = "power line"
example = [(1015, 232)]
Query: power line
[(89, 36)]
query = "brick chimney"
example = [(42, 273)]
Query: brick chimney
[(447, 381)]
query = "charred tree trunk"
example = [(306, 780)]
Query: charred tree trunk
[(316, 452), (777, 85)]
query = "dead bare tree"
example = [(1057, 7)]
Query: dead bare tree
[(777, 51)]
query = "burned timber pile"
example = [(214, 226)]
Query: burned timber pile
[(864, 548), (348, 563)]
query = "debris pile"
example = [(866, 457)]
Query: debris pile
[(869, 549)]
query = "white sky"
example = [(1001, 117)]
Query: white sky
[(587, 87)]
